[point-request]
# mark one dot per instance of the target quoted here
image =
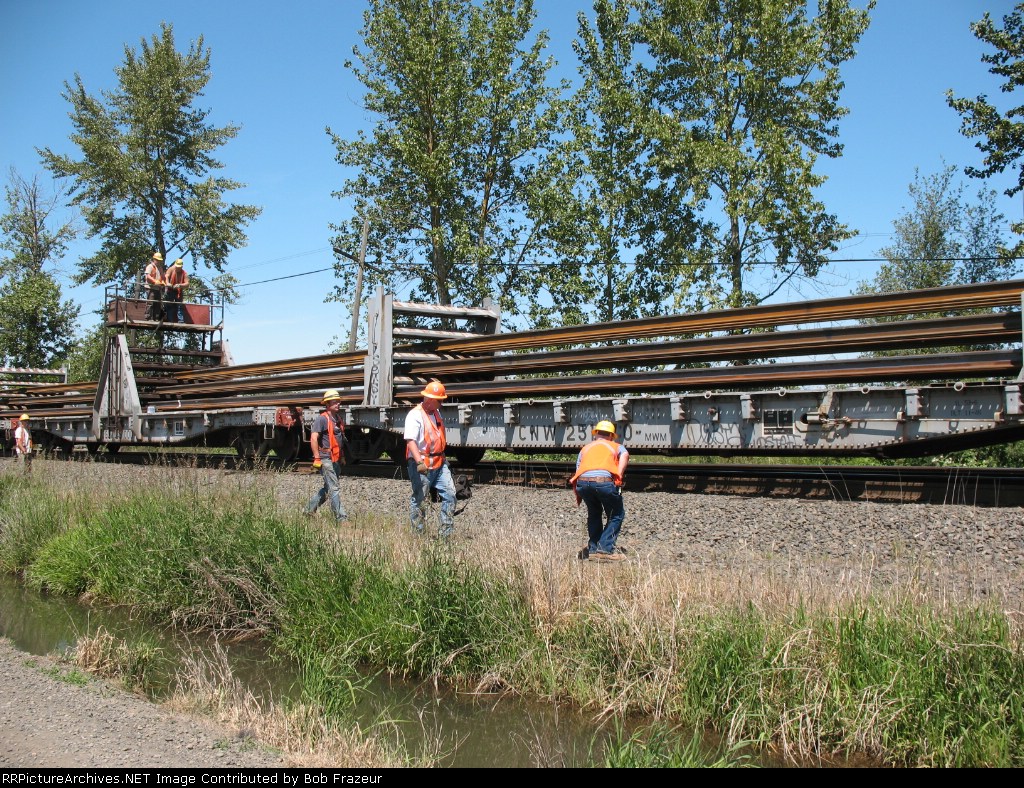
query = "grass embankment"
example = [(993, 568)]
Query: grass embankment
[(811, 672)]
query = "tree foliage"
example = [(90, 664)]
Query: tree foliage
[(602, 198), (746, 98), (144, 178), (36, 326), (85, 361), (942, 239), (1001, 135), (462, 113)]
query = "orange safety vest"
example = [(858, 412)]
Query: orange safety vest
[(434, 437), (601, 455), (176, 278), (154, 276), (335, 446)]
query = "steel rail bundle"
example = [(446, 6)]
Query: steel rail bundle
[(654, 376), (278, 377), (941, 300)]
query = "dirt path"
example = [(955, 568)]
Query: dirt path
[(48, 719)]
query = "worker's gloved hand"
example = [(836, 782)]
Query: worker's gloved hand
[(422, 467), (317, 465)]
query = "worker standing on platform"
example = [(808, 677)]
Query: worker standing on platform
[(328, 443), (155, 287), (23, 442), (176, 281), (600, 469), (425, 442)]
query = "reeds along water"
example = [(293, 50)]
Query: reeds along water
[(779, 659)]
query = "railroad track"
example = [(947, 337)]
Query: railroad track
[(988, 487)]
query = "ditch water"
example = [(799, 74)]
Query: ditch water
[(476, 731)]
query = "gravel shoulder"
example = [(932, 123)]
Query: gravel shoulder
[(47, 721), (955, 552)]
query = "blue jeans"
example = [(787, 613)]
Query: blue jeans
[(602, 498), (439, 479), (174, 309), (330, 491)]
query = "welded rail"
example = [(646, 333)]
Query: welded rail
[(941, 300)]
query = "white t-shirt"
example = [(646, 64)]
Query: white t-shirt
[(22, 434), (414, 428)]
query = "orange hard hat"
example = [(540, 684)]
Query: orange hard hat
[(434, 390)]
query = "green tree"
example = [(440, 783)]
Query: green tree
[(463, 113), (942, 239), (36, 327), (85, 360), (745, 98), (144, 180), (601, 200), (1001, 135)]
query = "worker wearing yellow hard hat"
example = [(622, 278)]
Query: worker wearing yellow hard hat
[(425, 444), (600, 469), (327, 440), (176, 279), (23, 443), (154, 276)]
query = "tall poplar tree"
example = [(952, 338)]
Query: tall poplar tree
[(461, 115), (612, 264), (1000, 134), (144, 178), (745, 98)]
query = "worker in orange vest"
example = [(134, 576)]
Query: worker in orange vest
[(425, 444), (600, 469), (176, 280), (155, 287), (327, 439)]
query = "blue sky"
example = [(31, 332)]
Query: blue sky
[(278, 71)]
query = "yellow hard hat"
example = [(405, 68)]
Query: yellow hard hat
[(179, 262), (330, 394), (24, 417), (604, 426), (434, 390), (158, 256)]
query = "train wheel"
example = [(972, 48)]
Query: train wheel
[(468, 455)]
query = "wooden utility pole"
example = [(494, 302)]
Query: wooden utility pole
[(357, 300)]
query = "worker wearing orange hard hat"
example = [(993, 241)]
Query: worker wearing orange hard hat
[(600, 469), (327, 439), (425, 443)]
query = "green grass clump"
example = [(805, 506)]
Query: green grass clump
[(660, 747), (30, 515)]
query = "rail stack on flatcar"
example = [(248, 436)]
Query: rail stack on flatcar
[(822, 378)]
